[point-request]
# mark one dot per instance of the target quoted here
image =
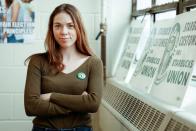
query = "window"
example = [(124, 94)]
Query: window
[(165, 15), (193, 9), (159, 2), (142, 4)]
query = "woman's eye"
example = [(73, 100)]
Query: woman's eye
[(71, 26), (57, 26)]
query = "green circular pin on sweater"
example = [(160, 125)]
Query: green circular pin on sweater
[(81, 75)]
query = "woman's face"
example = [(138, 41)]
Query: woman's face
[(64, 30)]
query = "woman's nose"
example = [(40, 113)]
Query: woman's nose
[(64, 30)]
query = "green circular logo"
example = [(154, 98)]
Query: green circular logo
[(81, 75)]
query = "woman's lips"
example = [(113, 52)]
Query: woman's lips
[(64, 39)]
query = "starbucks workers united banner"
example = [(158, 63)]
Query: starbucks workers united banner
[(148, 64), (134, 34), (176, 66)]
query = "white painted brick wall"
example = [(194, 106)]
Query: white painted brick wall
[(13, 71)]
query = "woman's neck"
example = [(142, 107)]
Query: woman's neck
[(70, 53)]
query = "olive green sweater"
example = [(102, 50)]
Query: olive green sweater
[(67, 108)]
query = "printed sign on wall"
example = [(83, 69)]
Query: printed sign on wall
[(177, 63), (148, 64), (132, 41), (16, 26)]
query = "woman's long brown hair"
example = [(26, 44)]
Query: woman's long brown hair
[(52, 47)]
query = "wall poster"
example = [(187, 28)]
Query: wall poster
[(17, 20)]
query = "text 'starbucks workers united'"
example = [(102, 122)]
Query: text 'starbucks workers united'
[(176, 66), (132, 41), (148, 64)]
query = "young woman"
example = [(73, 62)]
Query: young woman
[(64, 84)]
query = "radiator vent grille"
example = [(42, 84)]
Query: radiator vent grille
[(138, 113), (174, 125)]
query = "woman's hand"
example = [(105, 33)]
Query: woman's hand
[(46, 96), (84, 93)]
